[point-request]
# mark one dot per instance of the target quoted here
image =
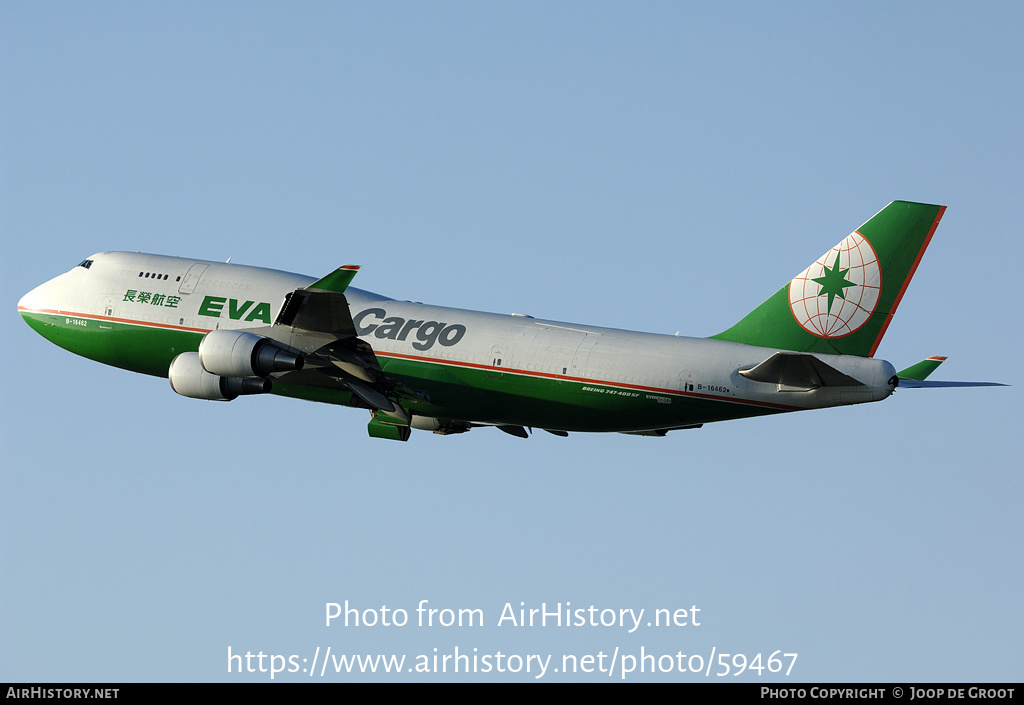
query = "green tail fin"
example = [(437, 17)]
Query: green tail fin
[(844, 302)]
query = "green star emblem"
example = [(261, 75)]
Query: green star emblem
[(834, 283)]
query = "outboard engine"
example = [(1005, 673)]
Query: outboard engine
[(235, 353)]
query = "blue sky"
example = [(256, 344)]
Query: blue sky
[(663, 167)]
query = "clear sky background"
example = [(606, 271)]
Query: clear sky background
[(658, 166)]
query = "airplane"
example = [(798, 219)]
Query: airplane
[(219, 330)]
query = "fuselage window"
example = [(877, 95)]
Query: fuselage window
[(85, 263)]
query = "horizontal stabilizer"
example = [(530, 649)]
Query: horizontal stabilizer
[(798, 371), (921, 370), (914, 376), (921, 384)]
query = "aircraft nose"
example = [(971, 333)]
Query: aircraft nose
[(45, 299), (37, 309), (32, 301)]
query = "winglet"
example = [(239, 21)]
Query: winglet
[(322, 305), (338, 280), (921, 370)]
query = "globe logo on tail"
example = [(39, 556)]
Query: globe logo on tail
[(837, 294)]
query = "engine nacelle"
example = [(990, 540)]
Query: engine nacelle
[(235, 353), (189, 379)]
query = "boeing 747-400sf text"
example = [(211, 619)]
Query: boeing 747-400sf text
[(218, 331)]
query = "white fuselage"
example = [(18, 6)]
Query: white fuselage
[(615, 379)]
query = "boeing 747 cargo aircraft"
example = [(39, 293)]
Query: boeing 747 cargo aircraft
[(218, 331)]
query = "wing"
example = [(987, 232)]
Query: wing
[(316, 319)]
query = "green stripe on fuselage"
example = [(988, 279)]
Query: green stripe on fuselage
[(443, 389), (131, 346), (492, 395)]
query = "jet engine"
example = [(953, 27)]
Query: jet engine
[(235, 353), (189, 379)]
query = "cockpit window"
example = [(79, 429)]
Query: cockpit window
[(85, 263)]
